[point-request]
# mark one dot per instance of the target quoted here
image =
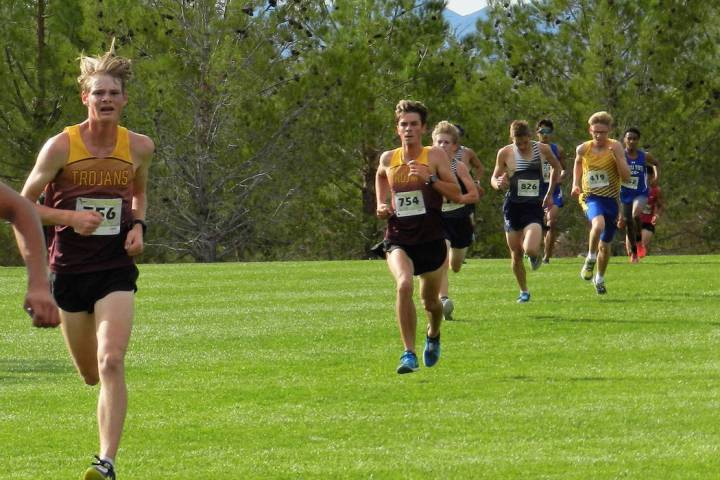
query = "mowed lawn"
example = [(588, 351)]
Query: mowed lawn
[(287, 371)]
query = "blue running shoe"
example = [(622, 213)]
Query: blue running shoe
[(99, 470), (408, 362), (431, 354), (524, 297)]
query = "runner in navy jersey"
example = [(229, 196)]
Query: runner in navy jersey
[(518, 170)]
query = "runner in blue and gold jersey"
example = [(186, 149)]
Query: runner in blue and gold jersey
[(634, 193), (410, 184), (545, 130), (599, 169)]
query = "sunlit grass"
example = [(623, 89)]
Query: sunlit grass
[(287, 370)]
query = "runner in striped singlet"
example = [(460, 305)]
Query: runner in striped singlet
[(456, 216), (518, 169)]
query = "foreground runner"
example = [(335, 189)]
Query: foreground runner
[(456, 215), (545, 130), (415, 178), (599, 168), (94, 175), (634, 192), (518, 169), (39, 304)]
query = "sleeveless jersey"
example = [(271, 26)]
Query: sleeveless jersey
[(648, 211), (525, 184), (547, 173), (451, 209), (637, 184), (90, 183), (600, 176), (417, 206)]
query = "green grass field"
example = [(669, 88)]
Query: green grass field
[(287, 371)]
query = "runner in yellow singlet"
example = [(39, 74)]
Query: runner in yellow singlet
[(600, 167)]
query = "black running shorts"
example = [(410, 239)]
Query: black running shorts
[(520, 215), (459, 231), (426, 257), (78, 292)]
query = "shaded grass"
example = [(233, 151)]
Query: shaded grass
[(286, 370)]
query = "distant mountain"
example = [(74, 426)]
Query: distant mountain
[(463, 25)]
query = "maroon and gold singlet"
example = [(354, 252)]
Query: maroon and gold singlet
[(90, 183), (417, 206)]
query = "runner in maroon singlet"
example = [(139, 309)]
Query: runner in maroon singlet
[(410, 184), (94, 177)]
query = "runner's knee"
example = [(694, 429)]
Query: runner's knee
[(430, 304), (405, 286), (111, 361)]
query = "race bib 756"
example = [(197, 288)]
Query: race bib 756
[(109, 208)]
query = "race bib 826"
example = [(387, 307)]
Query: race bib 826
[(528, 188)]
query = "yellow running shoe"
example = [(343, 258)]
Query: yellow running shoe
[(99, 470), (587, 269)]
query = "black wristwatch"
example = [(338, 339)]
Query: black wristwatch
[(431, 179), (141, 222)]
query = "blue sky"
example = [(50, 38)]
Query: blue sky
[(465, 7)]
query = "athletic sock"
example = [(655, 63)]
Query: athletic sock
[(599, 278), (592, 256)]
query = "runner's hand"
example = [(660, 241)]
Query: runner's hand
[(419, 170), (134, 241), (547, 202), (86, 222), (502, 181), (41, 307), (384, 211)]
